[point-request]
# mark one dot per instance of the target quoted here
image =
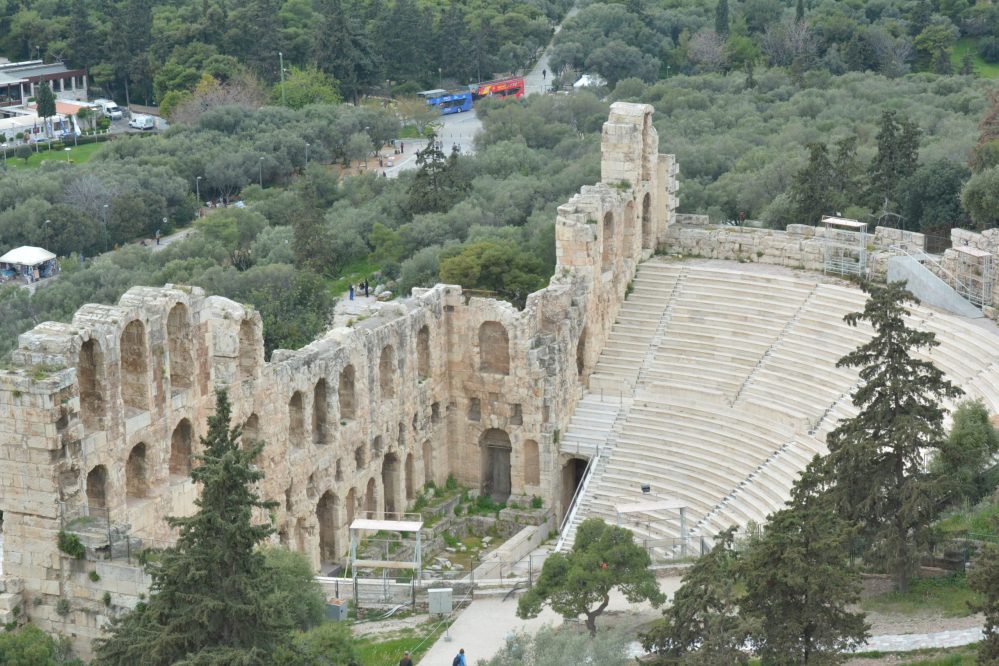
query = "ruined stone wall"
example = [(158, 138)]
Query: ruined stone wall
[(800, 246), (99, 418)]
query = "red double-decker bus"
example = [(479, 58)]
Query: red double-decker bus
[(512, 86)]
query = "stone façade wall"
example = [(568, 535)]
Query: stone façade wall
[(99, 417)]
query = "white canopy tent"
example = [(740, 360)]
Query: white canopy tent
[(26, 255)]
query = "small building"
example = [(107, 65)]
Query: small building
[(30, 263), (19, 80)]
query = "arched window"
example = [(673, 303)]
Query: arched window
[(648, 243), (607, 243), (410, 481), (247, 350), (390, 484), (494, 348), (179, 339), (423, 352), (135, 367), (532, 464), (346, 393), (97, 487), (251, 431), (320, 410), (136, 473), (180, 449), (296, 420), (89, 373), (386, 372), (371, 500)]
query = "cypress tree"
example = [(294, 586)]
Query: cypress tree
[(896, 160), (875, 462), (209, 598), (984, 579), (721, 17), (799, 11), (812, 191)]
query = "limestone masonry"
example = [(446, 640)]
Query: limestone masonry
[(99, 417)]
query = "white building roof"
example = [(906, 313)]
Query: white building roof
[(27, 255)]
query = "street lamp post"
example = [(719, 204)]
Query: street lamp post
[(260, 172), (45, 224), (104, 219), (440, 75), (284, 101), (197, 189), (667, 71), (306, 154)]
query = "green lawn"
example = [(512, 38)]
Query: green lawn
[(970, 45), (78, 155), (354, 272), (946, 595), (958, 656), (387, 651)]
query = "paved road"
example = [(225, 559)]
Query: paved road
[(534, 82), (456, 129)]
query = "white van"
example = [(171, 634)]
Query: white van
[(109, 108), (141, 122)]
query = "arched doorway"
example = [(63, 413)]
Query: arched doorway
[(495, 447), (296, 420), (97, 487), (390, 484), (572, 476), (410, 483), (327, 513), (180, 449), (371, 500)]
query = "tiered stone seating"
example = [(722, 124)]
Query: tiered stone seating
[(720, 327), (636, 325), (739, 389), (590, 426)]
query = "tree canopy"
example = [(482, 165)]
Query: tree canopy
[(603, 557)]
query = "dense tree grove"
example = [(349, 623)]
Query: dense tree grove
[(649, 38), (145, 50)]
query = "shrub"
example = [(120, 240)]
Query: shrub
[(452, 483), (107, 599), (71, 545), (537, 502), (94, 576), (62, 607)]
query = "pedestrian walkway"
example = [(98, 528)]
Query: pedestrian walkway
[(908, 642)]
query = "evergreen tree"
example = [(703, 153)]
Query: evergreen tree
[(963, 460), (438, 182), (45, 99), (799, 582), (986, 150), (602, 558), (211, 596), (721, 17), (702, 625), (984, 579), (799, 10), (847, 172), (875, 461), (813, 190), (896, 159), (344, 51)]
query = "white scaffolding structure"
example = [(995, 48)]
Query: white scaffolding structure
[(845, 246), (409, 522), (650, 509), (973, 274)]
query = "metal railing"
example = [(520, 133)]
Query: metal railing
[(570, 515), (938, 270)]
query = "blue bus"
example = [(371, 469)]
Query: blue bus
[(448, 102)]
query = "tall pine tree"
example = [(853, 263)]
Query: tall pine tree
[(209, 601), (812, 191), (875, 464), (800, 584), (896, 159), (721, 17)]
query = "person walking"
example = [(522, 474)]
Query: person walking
[(351, 292), (365, 287), (459, 659), (406, 660)]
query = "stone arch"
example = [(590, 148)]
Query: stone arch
[(135, 367), (494, 348), (328, 515), (410, 480), (371, 499), (181, 443), (320, 412), (581, 353), (296, 419), (495, 450), (377, 446), (386, 372), (90, 375), (137, 472), (247, 350), (360, 457), (346, 392), (572, 475), (390, 484), (428, 462), (607, 243), (423, 352), (532, 464), (179, 338), (648, 243), (628, 239), (97, 487), (351, 505), (251, 431)]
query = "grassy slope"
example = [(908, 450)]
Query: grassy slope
[(970, 45), (947, 595)]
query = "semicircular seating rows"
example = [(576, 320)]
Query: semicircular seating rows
[(718, 384)]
